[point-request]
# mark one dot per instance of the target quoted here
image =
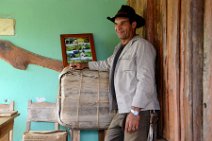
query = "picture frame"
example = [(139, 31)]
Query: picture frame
[(77, 48)]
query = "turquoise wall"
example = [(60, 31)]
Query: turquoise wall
[(39, 24)]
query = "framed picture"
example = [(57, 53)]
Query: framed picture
[(77, 48)]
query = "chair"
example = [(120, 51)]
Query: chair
[(6, 110), (43, 112)]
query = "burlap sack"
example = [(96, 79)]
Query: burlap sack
[(83, 99)]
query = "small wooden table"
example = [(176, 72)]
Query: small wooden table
[(6, 125)]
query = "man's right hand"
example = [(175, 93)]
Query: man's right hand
[(79, 66)]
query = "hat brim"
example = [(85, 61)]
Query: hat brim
[(139, 20)]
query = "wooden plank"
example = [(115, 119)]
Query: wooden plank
[(75, 135), (156, 34), (150, 20), (41, 112), (172, 70), (160, 43), (140, 8), (207, 73), (101, 135), (197, 65), (186, 72), (162, 90)]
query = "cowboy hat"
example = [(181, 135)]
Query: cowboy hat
[(128, 12)]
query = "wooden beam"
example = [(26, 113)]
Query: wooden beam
[(197, 68), (101, 135), (140, 8), (172, 70), (207, 73), (21, 58), (185, 95), (156, 34), (75, 134)]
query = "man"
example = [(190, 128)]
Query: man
[(132, 79)]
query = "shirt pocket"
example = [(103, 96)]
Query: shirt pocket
[(126, 64)]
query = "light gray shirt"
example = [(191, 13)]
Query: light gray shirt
[(134, 76)]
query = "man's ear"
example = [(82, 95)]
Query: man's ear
[(134, 24)]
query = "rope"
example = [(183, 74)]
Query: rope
[(60, 99), (98, 100), (78, 105)]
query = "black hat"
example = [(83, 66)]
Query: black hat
[(128, 12)]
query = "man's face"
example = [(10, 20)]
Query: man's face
[(124, 29)]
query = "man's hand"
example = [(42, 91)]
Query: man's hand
[(79, 66), (132, 123)]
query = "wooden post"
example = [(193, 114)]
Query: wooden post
[(171, 70), (197, 68), (185, 71), (75, 133), (207, 73), (101, 134)]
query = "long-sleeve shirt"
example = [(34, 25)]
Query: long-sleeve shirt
[(134, 76)]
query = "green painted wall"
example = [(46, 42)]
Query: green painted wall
[(39, 24)]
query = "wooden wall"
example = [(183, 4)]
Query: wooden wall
[(207, 72), (181, 32)]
